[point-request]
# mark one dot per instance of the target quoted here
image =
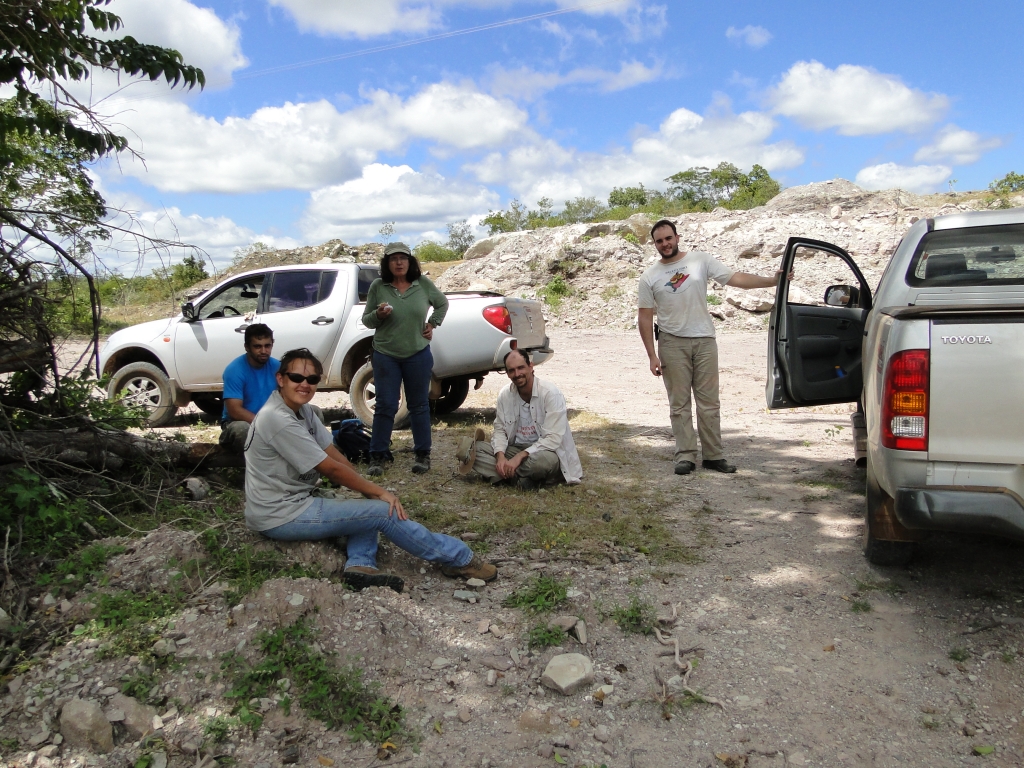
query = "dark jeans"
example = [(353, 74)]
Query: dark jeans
[(389, 374)]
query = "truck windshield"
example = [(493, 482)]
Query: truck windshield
[(970, 256)]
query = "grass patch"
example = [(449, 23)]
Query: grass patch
[(556, 290), (77, 569), (610, 292), (216, 729), (543, 636), (132, 622), (714, 300), (139, 686), (638, 617), (539, 595), (958, 653), (860, 606), (244, 567), (334, 695)]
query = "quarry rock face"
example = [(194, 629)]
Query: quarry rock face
[(599, 262)]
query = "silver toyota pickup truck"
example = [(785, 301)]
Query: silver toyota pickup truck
[(935, 360), (164, 364)]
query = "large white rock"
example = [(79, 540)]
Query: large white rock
[(483, 247), (566, 672), (136, 716)]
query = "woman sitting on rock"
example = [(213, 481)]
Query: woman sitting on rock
[(289, 449)]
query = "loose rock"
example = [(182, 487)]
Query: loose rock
[(83, 725), (566, 672)]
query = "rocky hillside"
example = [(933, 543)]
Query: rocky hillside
[(598, 263)]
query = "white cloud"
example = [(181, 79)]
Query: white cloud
[(917, 178), (420, 203), (525, 83), (855, 100), (754, 37), (957, 146), (685, 139), (306, 145)]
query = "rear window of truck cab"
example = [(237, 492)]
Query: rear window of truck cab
[(969, 256)]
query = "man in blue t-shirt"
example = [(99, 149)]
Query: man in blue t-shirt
[(248, 381)]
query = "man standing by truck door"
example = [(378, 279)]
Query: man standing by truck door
[(687, 355), (248, 381)]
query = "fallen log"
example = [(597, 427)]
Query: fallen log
[(101, 449), (24, 355)]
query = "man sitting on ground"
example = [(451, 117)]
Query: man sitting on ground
[(288, 452), (532, 444), (248, 381)]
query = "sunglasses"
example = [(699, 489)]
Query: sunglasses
[(298, 378)]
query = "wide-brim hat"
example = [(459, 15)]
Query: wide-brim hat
[(466, 452), (397, 248)]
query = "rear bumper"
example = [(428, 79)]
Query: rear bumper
[(996, 511)]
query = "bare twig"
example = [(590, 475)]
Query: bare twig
[(686, 668)]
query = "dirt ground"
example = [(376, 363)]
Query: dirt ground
[(817, 658)]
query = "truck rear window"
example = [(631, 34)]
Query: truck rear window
[(970, 256)]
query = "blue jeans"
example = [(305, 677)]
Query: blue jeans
[(389, 373), (361, 520)]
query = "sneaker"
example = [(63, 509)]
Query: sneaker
[(685, 467), (719, 465), (422, 463), (359, 577), (475, 569)]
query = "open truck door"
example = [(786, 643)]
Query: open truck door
[(815, 341)]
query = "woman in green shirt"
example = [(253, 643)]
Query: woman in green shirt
[(396, 307)]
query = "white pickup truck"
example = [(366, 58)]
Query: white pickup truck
[(941, 389), (164, 364)]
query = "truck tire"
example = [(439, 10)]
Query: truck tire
[(145, 385), (881, 551), (210, 403), (361, 394), (453, 394)]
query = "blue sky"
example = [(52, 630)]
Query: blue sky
[(613, 93)]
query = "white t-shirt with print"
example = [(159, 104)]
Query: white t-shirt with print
[(677, 292), (526, 431)]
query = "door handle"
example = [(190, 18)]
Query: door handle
[(241, 328), (323, 320)]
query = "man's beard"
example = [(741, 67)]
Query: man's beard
[(675, 252)]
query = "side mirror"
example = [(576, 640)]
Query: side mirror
[(842, 296), (188, 312)]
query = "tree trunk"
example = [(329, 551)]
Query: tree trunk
[(23, 355), (111, 450)]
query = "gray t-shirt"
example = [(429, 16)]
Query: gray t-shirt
[(678, 293), (281, 457)]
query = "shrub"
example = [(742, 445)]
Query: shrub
[(556, 290), (428, 250)]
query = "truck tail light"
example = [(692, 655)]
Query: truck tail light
[(905, 401), (499, 317)]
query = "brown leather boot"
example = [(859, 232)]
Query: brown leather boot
[(475, 569)]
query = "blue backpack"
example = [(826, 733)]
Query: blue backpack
[(353, 439)]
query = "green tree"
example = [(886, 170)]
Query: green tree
[(628, 197), (513, 219), (460, 237), (47, 136), (703, 189), (1009, 184), (582, 209)]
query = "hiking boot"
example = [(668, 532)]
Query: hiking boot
[(475, 569), (719, 465), (378, 463), (685, 467), (359, 577), (422, 463)]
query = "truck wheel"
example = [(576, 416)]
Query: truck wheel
[(881, 551), (210, 403), (453, 394), (362, 395), (144, 385)]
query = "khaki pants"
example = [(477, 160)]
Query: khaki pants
[(542, 467), (692, 363)]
